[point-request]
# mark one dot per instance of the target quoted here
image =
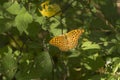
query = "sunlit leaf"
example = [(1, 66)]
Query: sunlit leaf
[(14, 8), (22, 22), (89, 45)]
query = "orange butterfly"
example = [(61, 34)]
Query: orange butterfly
[(67, 41)]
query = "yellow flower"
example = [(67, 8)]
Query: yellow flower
[(49, 10)]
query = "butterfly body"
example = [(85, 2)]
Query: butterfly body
[(67, 41)]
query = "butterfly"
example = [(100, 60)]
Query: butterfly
[(67, 41)]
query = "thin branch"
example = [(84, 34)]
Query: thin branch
[(100, 15)]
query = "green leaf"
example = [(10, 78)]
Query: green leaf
[(40, 20), (9, 64), (40, 67), (44, 64), (114, 40), (7, 4), (105, 43), (44, 23), (22, 21), (118, 36), (89, 45), (116, 65), (14, 8), (5, 25), (93, 60), (55, 29), (112, 49)]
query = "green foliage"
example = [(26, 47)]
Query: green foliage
[(89, 45), (22, 20), (9, 64), (14, 8), (40, 67), (25, 53)]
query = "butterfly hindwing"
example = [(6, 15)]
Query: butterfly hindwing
[(60, 42)]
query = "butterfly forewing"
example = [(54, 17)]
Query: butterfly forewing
[(73, 37)]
